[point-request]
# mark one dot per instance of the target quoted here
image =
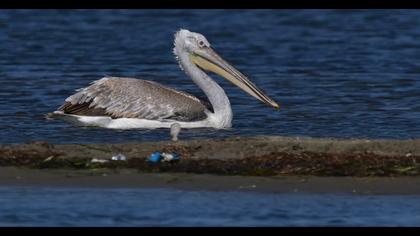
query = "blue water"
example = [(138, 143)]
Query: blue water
[(336, 73), (25, 206)]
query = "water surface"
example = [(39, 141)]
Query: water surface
[(28, 206), (335, 73)]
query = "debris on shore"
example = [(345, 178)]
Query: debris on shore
[(251, 156)]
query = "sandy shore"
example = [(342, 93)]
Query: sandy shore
[(245, 156), (131, 178)]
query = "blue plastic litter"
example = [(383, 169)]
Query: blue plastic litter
[(163, 157), (155, 157)]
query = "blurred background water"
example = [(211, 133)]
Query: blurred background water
[(335, 73)]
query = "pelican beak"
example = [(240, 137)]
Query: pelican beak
[(207, 59)]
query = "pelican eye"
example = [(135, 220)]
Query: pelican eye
[(201, 43)]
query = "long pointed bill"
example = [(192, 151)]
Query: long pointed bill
[(208, 59)]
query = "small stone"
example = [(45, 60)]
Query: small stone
[(167, 157), (48, 159), (95, 160), (119, 157)]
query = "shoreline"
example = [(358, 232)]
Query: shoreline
[(131, 178), (250, 164), (237, 156)]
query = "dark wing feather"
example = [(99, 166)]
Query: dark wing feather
[(82, 109)]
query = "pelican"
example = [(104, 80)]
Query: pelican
[(128, 103)]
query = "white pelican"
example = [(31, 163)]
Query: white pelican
[(127, 103)]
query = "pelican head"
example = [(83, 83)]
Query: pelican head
[(202, 55)]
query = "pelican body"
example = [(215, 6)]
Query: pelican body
[(128, 103)]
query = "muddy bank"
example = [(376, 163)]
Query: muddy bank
[(132, 178), (250, 156)]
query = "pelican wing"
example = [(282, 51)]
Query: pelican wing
[(134, 98)]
